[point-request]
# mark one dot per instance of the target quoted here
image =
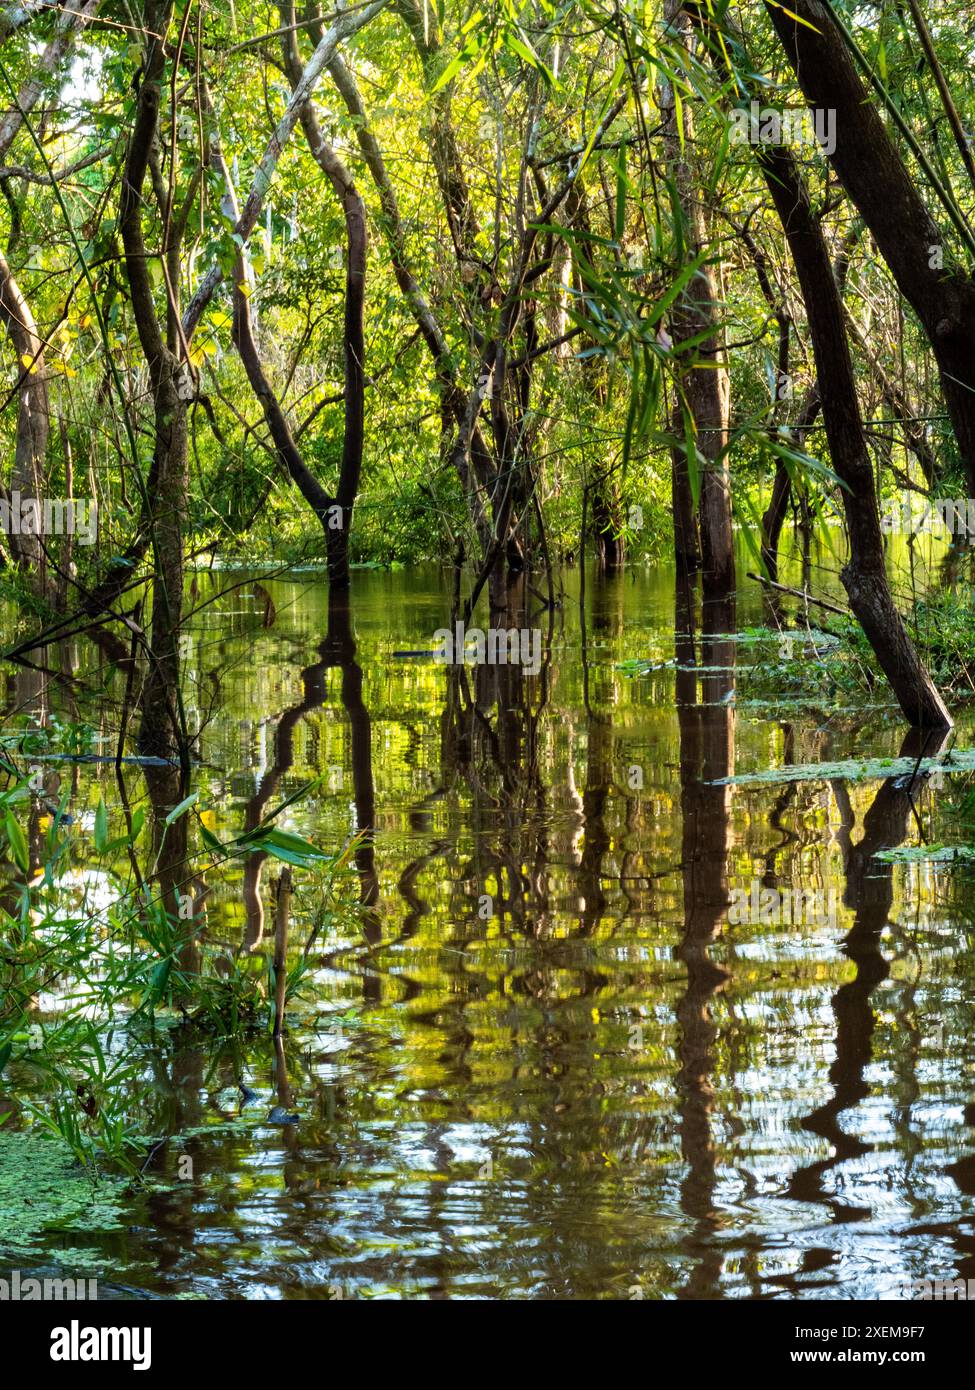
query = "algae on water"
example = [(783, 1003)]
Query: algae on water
[(926, 854), (43, 1189)]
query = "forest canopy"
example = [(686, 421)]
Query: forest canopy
[(499, 285)]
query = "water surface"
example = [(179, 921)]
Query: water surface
[(540, 1061)]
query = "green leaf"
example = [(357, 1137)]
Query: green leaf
[(290, 800), (211, 841), (158, 981), (291, 849), (792, 15), (472, 46), (285, 840), (300, 861), (18, 844), (182, 808)]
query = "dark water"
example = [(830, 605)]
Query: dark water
[(541, 1061)]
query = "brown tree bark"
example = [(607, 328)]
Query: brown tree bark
[(347, 23), (479, 478), (607, 507), (353, 342), (28, 477), (874, 175), (162, 732), (166, 490), (319, 499), (864, 576), (704, 382), (774, 516)]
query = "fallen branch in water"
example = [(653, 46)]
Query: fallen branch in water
[(800, 593)]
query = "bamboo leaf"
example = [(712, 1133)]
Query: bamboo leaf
[(182, 808), (792, 15)]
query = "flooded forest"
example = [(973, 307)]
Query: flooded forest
[(487, 652)]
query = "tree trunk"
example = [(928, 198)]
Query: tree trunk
[(70, 21), (324, 505), (871, 170), (161, 734), (354, 345), (607, 526), (28, 477), (774, 517), (347, 23), (864, 576), (478, 478), (704, 383)]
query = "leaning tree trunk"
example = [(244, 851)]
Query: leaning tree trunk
[(871, 170), (478, 477), (324, 505), (864, 576)]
